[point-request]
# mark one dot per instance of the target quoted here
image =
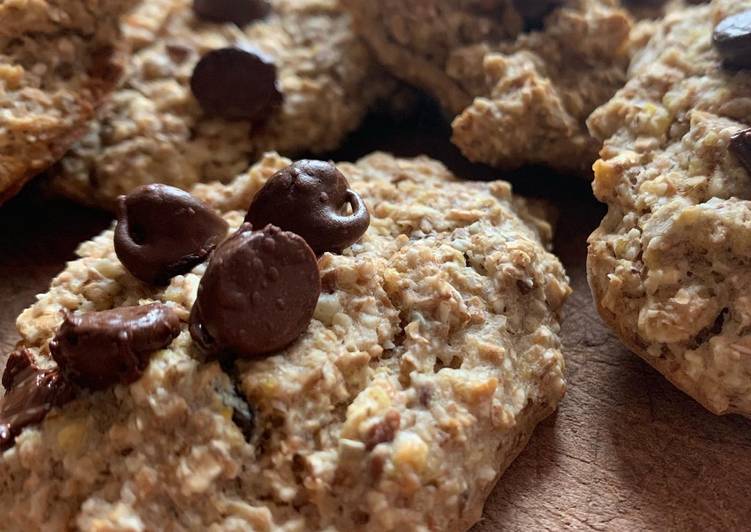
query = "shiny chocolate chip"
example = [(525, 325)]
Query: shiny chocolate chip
[(732, 38), (313, 200), (740, 146), (33, 392), (240, 12), (258, 294), (18, 361), (236, 84), (99, 349), (163, 231)]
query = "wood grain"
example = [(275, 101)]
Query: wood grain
[(626, 450)]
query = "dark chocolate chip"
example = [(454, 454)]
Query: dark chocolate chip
[(740, 146), (732, 38), (240, 12), (310, 198), (258, 294), (163, 231), (99, 349), (534, 11), (236, 84), (18, 361), (33, 393)]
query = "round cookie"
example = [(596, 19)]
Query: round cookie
[(432, 354), (59, 59), (519, 78), (156, 130), (669, 265)]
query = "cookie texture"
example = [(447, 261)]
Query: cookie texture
[(669, 265), (433, 353), (58, 61), (519, 90), (154, 129)]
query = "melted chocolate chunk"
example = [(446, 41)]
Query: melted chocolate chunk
[(236, 84), (310, 198), (99, 349), (240, 12), (740, 146), (31, 394), (18, 361), (163, 231), (732, 38), (258, 294)]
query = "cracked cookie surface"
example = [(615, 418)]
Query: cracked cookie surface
[(154, 129), (58, 61), (520, 95), (433, 353), (669, 265)]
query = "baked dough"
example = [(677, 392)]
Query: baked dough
[(433, 353)]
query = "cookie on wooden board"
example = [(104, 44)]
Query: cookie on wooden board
[(669, 265), (431, 353)]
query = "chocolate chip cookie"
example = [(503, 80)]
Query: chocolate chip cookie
[(214, 84), (429, 354), (58, 61), (669, 265), (519, 78)]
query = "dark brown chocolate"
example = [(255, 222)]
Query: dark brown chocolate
[(534, 11), (740, 146), (31, 393), (240, 12), (258, 294), (99, 349), (163, 231), (311, 198), (18, 361), (236, 84), (732, 38)]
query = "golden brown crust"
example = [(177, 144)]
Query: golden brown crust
[(58, 63), (517, 97), (443, 320), (668, 266), (153, 129)]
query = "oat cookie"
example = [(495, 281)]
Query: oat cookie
[(155, 129), (520, 78), (669, 265), (432, 354), (58, 60)]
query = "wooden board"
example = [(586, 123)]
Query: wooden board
[(626, 450)]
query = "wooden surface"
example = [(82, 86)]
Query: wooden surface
[(626, 450)]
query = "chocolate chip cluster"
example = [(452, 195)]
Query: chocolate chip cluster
[(257, 296)]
